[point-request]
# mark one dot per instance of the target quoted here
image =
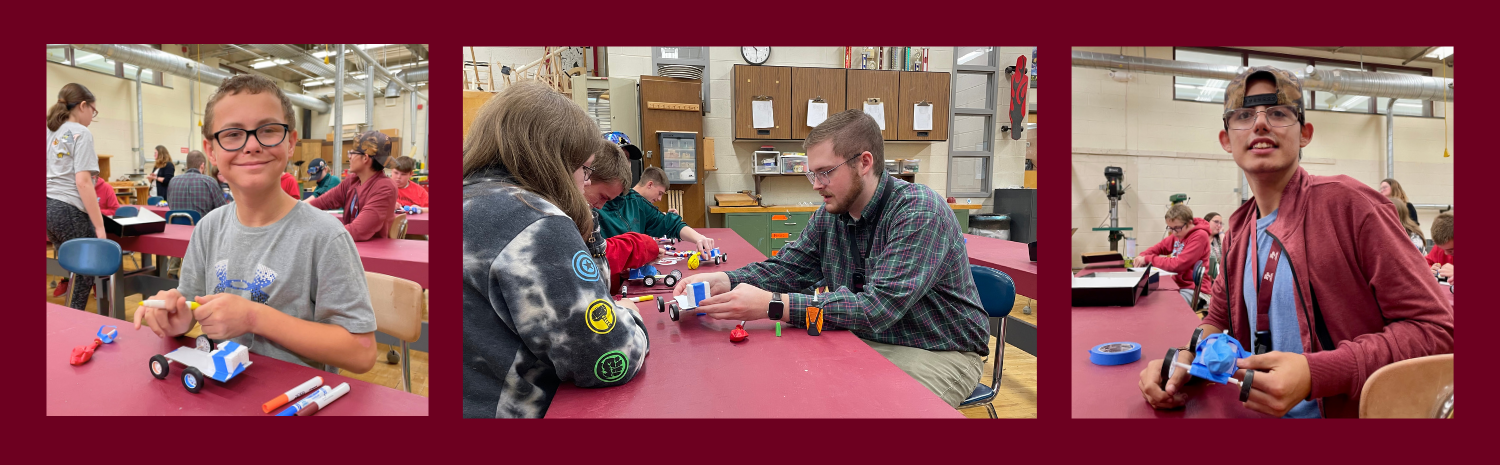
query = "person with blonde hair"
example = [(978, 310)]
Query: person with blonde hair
[(72, 201), (1413, 231), (162, 171), (1390, 188), (537, 309)]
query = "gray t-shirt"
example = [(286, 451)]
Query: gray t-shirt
[(70, 149), (304, 265)]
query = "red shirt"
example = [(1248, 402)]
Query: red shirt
[(108, 203), (412, 194), (374, 205), (1439, 256), (289, 184)]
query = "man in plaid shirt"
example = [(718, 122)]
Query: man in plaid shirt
[(891, 253), (194, 190)]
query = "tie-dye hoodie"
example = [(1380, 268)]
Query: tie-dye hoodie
[(537, 310)]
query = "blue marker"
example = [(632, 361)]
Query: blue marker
[(306, 401)]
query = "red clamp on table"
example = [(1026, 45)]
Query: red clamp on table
[(83, 353), (738, 334)]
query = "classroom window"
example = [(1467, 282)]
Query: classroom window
[(1203, 89), (1298, 68), (1405, 107), (972, 90), (971, 133), (58, 55), (971, 146), (970, 175), (94, 62), (1212, 90), (974, 56)]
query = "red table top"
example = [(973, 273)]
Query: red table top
[(693, 371), (1157, 322), (1013, 258), (415, 224), (116, 381), (396, 257)]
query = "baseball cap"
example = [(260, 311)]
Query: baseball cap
[(1288, 90), (317, 168), (376, 145), (619, 138)]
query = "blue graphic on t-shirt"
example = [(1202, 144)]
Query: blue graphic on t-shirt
[(257, 285)]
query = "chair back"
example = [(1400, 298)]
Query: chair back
[(398, 227), (187, 217), (127, 211), (997, 292), (153, 200), (1415, 388), (90, 256), (398, 305)]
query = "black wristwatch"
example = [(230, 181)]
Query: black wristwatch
[(774, 312)]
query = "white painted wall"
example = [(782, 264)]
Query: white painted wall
[(1167, 146)]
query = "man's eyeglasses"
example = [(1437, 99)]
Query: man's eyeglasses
[(1279, 116), (270, 135), (1176, 229), (822, 177)]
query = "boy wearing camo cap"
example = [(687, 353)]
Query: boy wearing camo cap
[(367, 195)]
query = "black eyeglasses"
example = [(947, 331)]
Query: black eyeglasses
[(590, 169), (1176, 229), (822, 177), (270, 135)]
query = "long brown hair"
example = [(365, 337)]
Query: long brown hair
[(162, 158), (1397, 191), (540, 137), (1405, 216), (68, 98)]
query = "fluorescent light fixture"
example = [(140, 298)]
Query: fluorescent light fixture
[(974, 54), (1441, 53), (280, 61), (262, 64), (370, 46)]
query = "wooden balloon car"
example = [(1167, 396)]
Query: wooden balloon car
[(217, 361)]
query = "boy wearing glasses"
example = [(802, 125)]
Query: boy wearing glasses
[(634, 212), (367, 196), (271, 273), (891, 253), (1323, 303), (1184, 247)]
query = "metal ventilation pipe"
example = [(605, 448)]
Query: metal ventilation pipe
[(146, 57), (338, 115), (385, 73), (369, 100), (1390, 139), (140, 121), (1343, 82), (300, 58), (409, 76)]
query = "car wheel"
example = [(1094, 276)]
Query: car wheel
[(192, 379), (649, 281), (673, 312), (205, 344), (160, 366)]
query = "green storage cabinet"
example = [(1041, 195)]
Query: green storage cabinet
[(755, 228), (963, 219)]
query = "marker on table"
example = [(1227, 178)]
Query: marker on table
[(301, 389), (162, 304), (641, 298), (311, 399), (321, 402)]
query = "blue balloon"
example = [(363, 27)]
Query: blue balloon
[(1216, 356)]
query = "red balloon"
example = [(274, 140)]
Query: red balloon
[(738, 333), (83, 353)]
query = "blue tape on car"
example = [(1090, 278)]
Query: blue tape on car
[(1115, 353)]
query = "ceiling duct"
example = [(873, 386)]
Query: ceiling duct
[(150, 58), (409, 75), (1338, 81)]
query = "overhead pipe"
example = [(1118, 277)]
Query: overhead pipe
[(384, 72), (140, 122), (1390, 139), (369, 100), (146, 57), (338, 116), (1339, 81), (409, 75)]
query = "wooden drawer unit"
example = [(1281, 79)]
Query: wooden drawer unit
[(918, 87)]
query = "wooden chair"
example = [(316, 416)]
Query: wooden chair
[(398, 227), (398, 312), (1416, 388)]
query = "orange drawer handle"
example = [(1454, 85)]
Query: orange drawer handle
[(778, 217), (774, 252), (781, 235)]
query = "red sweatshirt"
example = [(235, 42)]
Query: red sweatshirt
[(108, 203), (1438, 255), (627, 251), (1360, 307), (368, 207), (1179, 255), (289, 185), (412, 195)]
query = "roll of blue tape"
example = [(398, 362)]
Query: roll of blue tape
[(1115, 353)]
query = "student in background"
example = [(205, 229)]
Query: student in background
[(1390, 188), (317, 171), (625, 251), (408, 193), (194, 190), (1440, 259), (1413, 231), (634, 212), (1186, 246), (367, 196), (108, 202), (537, 312), (1216, 245), (289, 185), (72, 201), (271, 273), (162, 172)]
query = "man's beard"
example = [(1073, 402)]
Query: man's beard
[(843, 202)]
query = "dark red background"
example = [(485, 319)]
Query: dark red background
[(1053, 26)]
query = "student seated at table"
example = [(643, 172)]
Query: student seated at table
[(891, 253), (272, 273), (1218, 239), (289, 185), (108, 202), (1413, 231), (609, 173), (634, 212), (193, 190), (408, 194), (317, 171), (1186, 245), (367, 196), (1440, 259), (1311, 286), (537, 312)]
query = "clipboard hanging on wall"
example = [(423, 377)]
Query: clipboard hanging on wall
[(761, 114), (817, 111), (922, 116), (876, 109)]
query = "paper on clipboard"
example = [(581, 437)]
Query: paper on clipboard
[(923, 117), (877, 111), (817, 112), (761, 115)]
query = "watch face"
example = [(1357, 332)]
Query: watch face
[(756, 55)]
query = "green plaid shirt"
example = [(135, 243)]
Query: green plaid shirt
[(918, 288)]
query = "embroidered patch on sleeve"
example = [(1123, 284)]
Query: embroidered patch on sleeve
[(584, 267), (611, 366), (601, 318)]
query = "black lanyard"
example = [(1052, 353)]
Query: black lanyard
[(858, 284)]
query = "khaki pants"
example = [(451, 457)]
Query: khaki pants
[(951, 375)]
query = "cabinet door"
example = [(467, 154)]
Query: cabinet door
[(755, 228), (918, 87), (811, 83), (752, 82), (864, 84)]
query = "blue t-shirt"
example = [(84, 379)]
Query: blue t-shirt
[(1286, 332)]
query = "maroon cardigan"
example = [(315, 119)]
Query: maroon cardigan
[(1362, 305)]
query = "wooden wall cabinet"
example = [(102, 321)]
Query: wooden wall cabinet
[(812, 83), (917, 87), (864, 84), (751, 82)]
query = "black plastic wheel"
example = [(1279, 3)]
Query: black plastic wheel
[(192, 380), (669, 281), (1246, 385), (673, 311), (205, 344), (649, 281), (159, 366), (1193, 343), (392, 357), (1166, 366), (661, 305)]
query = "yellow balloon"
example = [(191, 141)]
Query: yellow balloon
[(693, 261)]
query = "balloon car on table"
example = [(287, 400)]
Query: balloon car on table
[(207, 359)]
